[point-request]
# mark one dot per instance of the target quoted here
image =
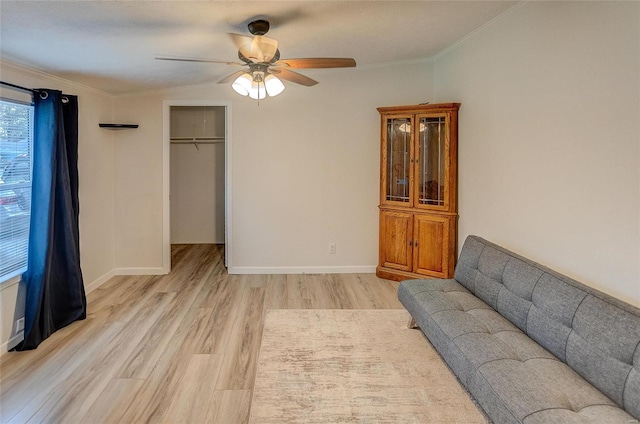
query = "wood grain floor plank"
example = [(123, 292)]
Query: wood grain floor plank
[(276, 292), (191, 402), (345, 297), (200, 263), (239, 366), (152, 343), (55, 355), (144, 358), (297, 292), (27, 401), (119, 391), (317, 288), (178, 253), (68, 340), (126, 306), (111, 289), (75, 394), (386, 291), (151, 402), (12, 363), (154, 397), (222, 302), (230, 407), (366, 295)]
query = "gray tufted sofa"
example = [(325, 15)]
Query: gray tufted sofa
[(531, 345)]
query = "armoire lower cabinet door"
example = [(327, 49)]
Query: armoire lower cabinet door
[(433, 245), (396, 240)]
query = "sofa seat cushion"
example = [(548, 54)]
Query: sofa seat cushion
[(498, 363), (530, 387), (596, 414), (484, 348)]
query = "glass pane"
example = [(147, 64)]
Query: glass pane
[(16, 141), (431, 161), (398, 166)]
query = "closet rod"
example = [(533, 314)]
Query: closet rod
[(195, 138), (197, 142)]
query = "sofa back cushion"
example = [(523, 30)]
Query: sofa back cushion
[(595, 334)]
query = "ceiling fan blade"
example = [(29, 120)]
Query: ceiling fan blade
[(255, 52), (245, 46), (189, 59), (232, 77), (257, 49), (267, 47), (240, 40), (317, 62), (294, 77)]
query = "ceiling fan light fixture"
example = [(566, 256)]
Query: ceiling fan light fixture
[(242, 85), (273, 85), (257, 90)]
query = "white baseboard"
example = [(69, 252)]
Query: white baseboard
[(11, 343), (359, 269), (139, 271), (99, 281)]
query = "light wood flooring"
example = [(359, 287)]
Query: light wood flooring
[(177, 348)]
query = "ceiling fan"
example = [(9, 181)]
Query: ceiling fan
[(265, 68)]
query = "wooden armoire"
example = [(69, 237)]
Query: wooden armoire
[(418, 190)]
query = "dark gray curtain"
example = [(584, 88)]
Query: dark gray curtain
[(53, 283)]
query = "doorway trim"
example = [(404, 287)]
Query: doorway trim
[(166, 180)]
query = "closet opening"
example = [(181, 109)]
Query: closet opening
[(197, 186)]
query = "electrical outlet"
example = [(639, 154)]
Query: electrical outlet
[(332, 248), (19, 325)]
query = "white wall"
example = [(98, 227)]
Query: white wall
[(550, 137), (96, 187), (305, 170)]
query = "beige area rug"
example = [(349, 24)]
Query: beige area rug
[(353, 366)]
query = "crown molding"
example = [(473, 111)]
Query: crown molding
[(36, 73)]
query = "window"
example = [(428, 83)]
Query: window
[(16, 142)]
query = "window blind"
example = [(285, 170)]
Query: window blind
[(16, 142)]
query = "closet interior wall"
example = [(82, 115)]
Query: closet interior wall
[(197, 174)]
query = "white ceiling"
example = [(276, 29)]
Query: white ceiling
[(111, 45)]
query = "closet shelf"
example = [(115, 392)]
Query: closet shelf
[(196, 138), (118, 126)]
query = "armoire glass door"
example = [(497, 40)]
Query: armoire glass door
[(431, 162), (398, 166)]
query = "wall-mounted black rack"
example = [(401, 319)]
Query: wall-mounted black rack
[(118, 126)]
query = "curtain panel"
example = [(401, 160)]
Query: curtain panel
[(54, 289)]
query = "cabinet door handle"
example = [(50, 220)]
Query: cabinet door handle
[(410, 242), (415, 244)]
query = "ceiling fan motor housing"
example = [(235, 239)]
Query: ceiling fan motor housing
[(259, 27), (246, 60)]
